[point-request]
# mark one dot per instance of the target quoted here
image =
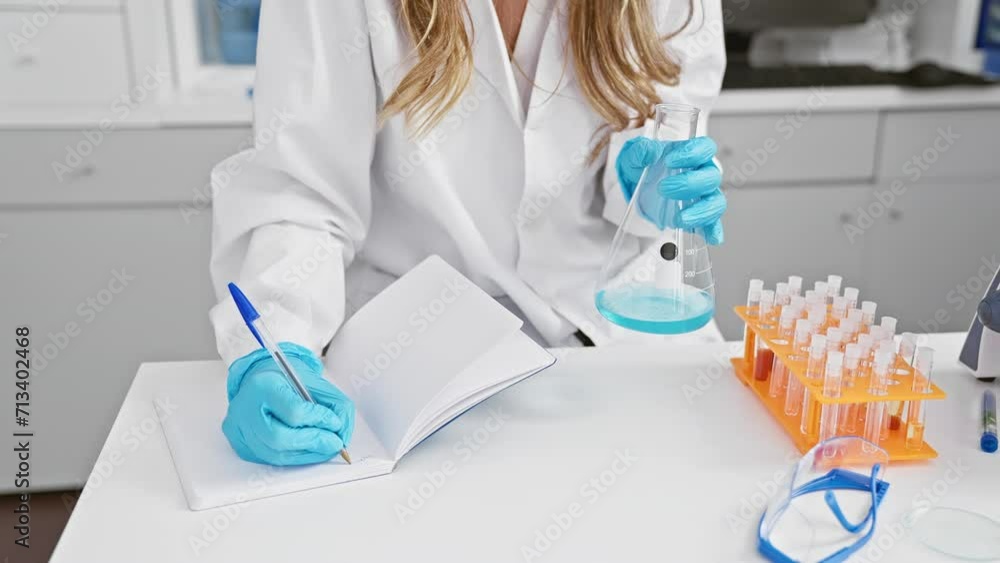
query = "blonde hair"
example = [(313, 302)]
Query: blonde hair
[(618, 57)]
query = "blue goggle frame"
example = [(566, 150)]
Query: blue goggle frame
[(836, 479)]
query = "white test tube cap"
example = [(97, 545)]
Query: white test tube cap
[(835, 335), (781, 289), (816, 317), (802, 329), (811, 296), (834, 361), (840, 304), (797, 302), (868, 307), (865, 341), (835, 281), (849, 326), (852, 293), (855, 315), (889, 323), (767, 298), (795, 283), (853, 353), (887, 346), (822, 288), (907, 345), (883, 358), (788, 316), (756, 284), (818, 345), (878, 334)]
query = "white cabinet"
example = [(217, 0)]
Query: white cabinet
[(102, 291), (774, 232), (76, 57), (108, 272), (931, 257), (121, 166), (956, 144), (796, 148)]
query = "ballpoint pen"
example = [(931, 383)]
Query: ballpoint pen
[(256, 325), (988, 441)]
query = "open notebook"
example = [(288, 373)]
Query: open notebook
[(422, 352)]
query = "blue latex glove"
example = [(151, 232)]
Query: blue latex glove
[(701, 180), (268, 422)]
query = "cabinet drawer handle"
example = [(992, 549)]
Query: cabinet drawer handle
[(85, 171), (26, 60)]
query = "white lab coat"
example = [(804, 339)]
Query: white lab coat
[(328, 209)]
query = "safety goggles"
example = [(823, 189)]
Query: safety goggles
[(825, 509)]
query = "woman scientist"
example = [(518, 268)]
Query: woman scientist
[(504, 136)]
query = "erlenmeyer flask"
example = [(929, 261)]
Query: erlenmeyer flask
[(658, 278)]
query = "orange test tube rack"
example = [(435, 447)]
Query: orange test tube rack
[(900, 390)]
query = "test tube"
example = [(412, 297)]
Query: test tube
[(894, 409), (834, 340), (823, 290), (852, 366), (803, 332), (907, 350), (764, 356), (764, 359), (795, 285), (767, 309), (817, 316), (779, 372), (867, 314), (781, 295), (798, 303), (889, 325), (854, 314), (908, 347), (879, 386), (865, 342), (812, 297), (793, 395), (921, 384), (817, 358), (852, 294), (839, 310), (832, 381), (833, 284), (753, 312), (814, 372), (850, 329), (878, 335)]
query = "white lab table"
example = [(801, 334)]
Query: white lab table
[(685, 452)]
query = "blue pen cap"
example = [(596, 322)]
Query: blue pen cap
[(246, 309), (989, 443)]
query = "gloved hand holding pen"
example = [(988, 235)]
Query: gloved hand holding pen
[(701, 180), (269, 422)]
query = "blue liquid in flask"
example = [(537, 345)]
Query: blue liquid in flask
[(657, 310)]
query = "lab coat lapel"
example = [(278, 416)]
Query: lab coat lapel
[(551, 73), (489, 52)]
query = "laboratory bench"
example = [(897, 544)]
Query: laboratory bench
[(626, 453), (97, 184), (802, 167)]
